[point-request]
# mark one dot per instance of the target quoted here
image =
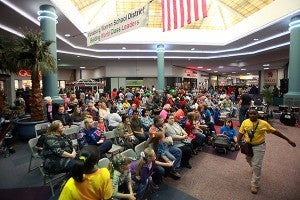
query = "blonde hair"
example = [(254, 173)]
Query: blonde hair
[(145, 155)]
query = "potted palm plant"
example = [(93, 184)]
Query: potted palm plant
[(267, 94), (29, 53)]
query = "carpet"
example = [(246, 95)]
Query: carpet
[(230, 154), (33, 193), (169, 192)]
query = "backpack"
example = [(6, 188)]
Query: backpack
[(221, 143)]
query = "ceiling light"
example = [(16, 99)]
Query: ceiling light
[(192, 49), (58, 59), (67, 35), (243, 69), (233, 72), (255, 39), (208, 69), (215, 71), (78, 56), (123, 48), (221, 67), (266, 68), (200, 67), (82, 67), (266, 65)]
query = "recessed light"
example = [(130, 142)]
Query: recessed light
[(123, 48), (208, 69), (192, 49), (233, 72), (200, 67), (266, 65), (189, 59), (255, 39), (67, 35), (58, 59), (82, 67), (221, 67), (266, 68), (78, 56), (243, 69)]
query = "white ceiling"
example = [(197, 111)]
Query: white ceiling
[(237, 50)]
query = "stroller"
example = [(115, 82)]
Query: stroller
[(6, 137)]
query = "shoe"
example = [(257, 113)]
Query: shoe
[(187, 165), (175, 174), (254, 190)]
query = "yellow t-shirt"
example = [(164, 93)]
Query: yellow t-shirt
[(95, 186), (259, 136)]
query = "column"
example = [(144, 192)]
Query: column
[(292, 98), (160, 68), (48, 20)]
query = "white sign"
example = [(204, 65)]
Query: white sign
[(128, 22)]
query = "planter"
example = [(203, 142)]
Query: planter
[(26, 129)]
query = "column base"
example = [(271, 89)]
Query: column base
[(292, 99)]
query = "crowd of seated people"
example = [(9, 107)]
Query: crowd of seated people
[(175, 127)]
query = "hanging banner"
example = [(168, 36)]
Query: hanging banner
[(128, 22), (270, 77)]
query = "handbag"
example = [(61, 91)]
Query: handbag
[(246, 148)]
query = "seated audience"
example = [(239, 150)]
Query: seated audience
[(58, 150), (63, 116), (137, 127), (121, 178), (93, 136)]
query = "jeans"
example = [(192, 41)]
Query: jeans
[(256, 163), (174, 154), (104, 148), (242, 113)]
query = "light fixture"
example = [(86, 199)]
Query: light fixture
[(123, 48), (67, 35), (266, 68), (199, 67), (82, 67), (215, 71), (243, 69), (78, 56), (255, 39), (266, 65), (221, 67), (233, 72), (192, 49), (208, 69)]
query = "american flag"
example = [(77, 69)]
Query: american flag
[(179, 13)]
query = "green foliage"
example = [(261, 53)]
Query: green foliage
[(29, 53), (267, 94)]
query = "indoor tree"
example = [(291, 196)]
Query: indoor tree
[(29, 53)]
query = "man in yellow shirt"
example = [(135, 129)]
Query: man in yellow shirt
[(253, 130)]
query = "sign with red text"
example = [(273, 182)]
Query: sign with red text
[(270, 77), (128, 22)]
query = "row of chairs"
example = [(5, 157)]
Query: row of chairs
[(130, 153)]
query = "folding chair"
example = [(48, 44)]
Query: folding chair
[(40, 127), (115, 149), (34, 157), (140, 147), (130, 153), (103, 163), (72, 134)]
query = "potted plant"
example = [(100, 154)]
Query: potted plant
[(267, 94), (29, 53)]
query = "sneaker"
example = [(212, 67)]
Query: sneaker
[(187, 165), (254, 190), (175, 174)]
